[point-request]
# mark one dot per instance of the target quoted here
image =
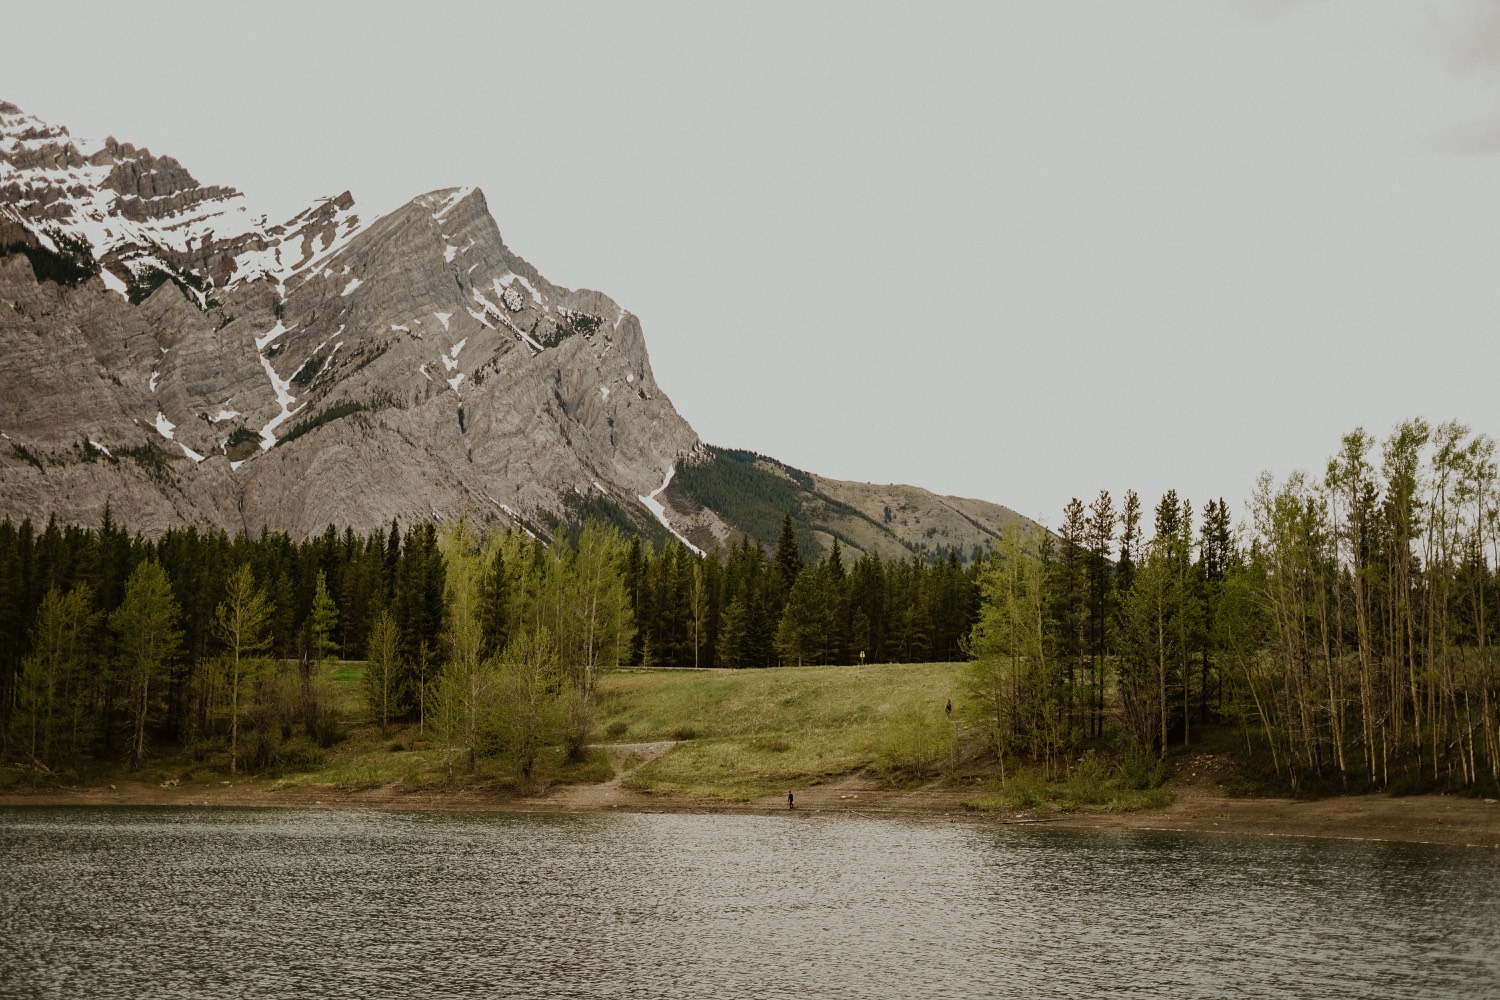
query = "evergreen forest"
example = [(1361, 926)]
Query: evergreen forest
[(1343, 630)]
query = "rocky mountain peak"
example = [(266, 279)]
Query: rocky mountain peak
[(337, 366), (167, 350)]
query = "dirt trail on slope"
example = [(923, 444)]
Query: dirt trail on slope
[(628, 758)]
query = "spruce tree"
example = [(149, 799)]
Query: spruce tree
[(494, 603), (1100, 533), (788, 554), (322, 622)]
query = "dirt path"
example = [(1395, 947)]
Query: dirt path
[(628, 758)]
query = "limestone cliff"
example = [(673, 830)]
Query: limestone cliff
[(169, 351)]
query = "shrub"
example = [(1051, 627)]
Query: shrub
[(323, 725), (1025, 789), (1141, 769), (916, 744), (1089, 782)]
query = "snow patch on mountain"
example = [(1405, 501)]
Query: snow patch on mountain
[(284, 399), (445, 200), (271, 335), (659, 509), (134, 208), (450, 362), (113, 283)]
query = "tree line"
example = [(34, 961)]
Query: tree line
[(1346, 629), (753, 608), (111, 642)]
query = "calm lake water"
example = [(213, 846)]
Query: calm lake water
[(273, 903)]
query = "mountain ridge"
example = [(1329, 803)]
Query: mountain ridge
[(171, 351)]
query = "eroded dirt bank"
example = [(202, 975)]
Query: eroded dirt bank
[(1198, 807)]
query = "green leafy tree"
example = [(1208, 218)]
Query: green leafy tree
[(1013, 682), (467, 685), (384, 669), (54, 674), (145, 626), (243, 626), (532, 709)]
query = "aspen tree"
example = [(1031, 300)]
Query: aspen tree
[(242, 624), (145, 625)]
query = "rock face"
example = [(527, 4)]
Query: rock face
[(170, 352), (334, 368)]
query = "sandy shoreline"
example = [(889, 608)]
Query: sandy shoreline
[(1419, 819)]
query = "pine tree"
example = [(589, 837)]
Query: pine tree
[(734, 648), (1216, 556), (802, 634), (788, 554), (1100, 532), (698, 609), (494, 602), (1068, 601), (1130, 541), (322, 622)]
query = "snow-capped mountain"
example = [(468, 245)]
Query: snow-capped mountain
[(169, 350)]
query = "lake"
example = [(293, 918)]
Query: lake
[(176, 902)]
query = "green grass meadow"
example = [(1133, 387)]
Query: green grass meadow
[(749, 733), (739, 734)]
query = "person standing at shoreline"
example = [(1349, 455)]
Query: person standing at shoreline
[(790, 802)]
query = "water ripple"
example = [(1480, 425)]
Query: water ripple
[(218, 902)]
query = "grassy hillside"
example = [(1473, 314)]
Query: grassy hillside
[(754, 732), (922, 521), (738, 735), (750, 492), (745, 492)]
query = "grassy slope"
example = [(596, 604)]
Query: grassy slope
[(741, 735), (754, 732), (749, 493)]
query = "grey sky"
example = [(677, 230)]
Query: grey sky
[(1015, 251)]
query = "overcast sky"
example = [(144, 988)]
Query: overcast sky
[(1017, 251)]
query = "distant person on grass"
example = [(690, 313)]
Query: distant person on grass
[(790, 802)]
